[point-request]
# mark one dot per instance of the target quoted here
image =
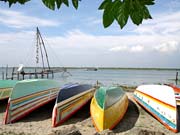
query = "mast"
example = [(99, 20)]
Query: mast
[(39, 38), (38, 46)]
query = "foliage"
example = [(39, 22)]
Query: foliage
[(118, 10), (14, 1), (121, 10)]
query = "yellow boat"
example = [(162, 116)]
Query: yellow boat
[(108, 107)]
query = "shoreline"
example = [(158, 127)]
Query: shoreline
[(108, 68), (136, 121)]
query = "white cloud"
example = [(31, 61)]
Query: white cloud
[(168, 47), (138, 48), (78, 47), (17, 19), (119, 48), (161, 24), (126, 48)]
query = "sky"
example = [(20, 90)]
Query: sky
[(77, 38)]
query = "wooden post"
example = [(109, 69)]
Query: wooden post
[(6, 72), (12, 76), (2, 73), (176, 76), (52, 74), (29, 75), (18, 75), (47, 75), (36, 76)]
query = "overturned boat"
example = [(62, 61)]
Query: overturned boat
[(28, 95), (69, 100), (176, 89), (6, 87), (160, 101), (108, 106)]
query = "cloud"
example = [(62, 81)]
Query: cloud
[(122, 48), (168, 47), (119, 48), (17, 19), (138, 48), (77, 48), (168, 23)]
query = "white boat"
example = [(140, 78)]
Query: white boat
[(160, 101)]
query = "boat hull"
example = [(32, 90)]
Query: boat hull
[(108, 118), (29, 95), (66, 108), (159, 100), (6, 87), (176, 92)]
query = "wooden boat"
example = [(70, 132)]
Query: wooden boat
[(176, 89), (6, 87), (160, 101), (108, 106), (69, 100), (92, 69), (28, 95)]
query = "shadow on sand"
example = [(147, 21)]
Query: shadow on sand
[(129, 119), (3, 105), (45, 112), (42, 113), (80, 115)]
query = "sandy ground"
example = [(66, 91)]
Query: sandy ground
[(135, 122)]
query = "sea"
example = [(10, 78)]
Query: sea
[(113, 76)]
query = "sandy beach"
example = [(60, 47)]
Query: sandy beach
[(135, 122)]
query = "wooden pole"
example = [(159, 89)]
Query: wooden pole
[(47, 74), (12, 76), (18, 75), (176, 76), (52, 74), (6, 72), (2, 73)]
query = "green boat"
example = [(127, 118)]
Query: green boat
[(6, 87), (28, 95), (108, 106)]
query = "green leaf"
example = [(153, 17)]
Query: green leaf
[(147, 2), (58, 3), (136, 12), (10, 2), (75, 3), (115, 7), (66, 2), (122, 15), (146, 14), (108, 15), (104, 4), (23, 1), (49, 3)]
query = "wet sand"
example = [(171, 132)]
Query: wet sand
[(135, 122)]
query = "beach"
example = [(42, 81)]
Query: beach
[(135, 122)]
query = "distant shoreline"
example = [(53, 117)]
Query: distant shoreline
[(112, 68)]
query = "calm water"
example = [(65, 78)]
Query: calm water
[(107, 77)]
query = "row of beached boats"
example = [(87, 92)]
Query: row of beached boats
[(107, 108)]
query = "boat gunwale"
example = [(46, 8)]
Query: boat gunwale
[(68, 116), (26, 113), (104, 108), (74, 97), (161, 121), (171, 106)]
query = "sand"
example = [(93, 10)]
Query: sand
[(135, 122)]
